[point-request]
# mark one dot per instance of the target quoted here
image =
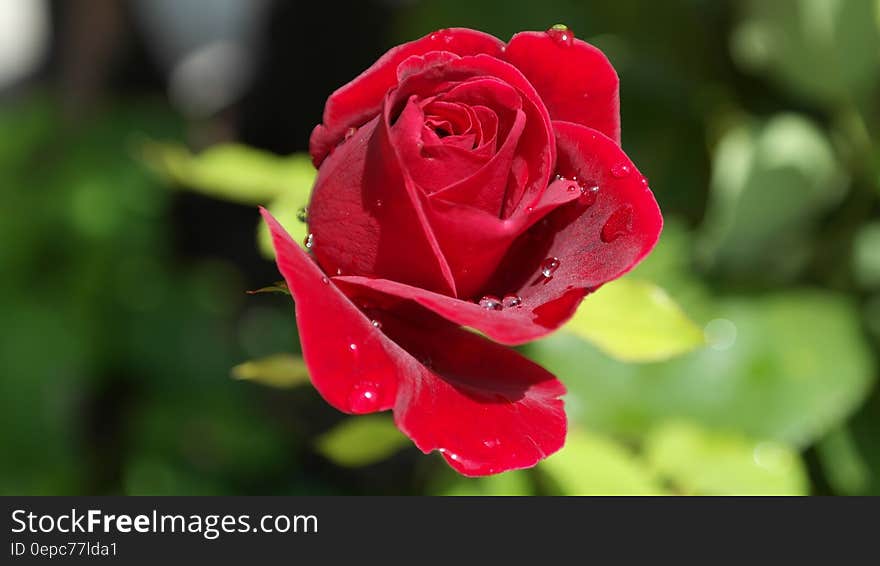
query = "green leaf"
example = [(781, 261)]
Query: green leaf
[(770, 184), (515, 483), (702, 462), (823, 50), (786, 367), (361, 441), (279, 370), (232, 172), (635, 321), (590, 464)]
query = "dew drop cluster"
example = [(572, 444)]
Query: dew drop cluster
[(493, 303)]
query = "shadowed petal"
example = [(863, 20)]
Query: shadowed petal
[(485, 408)]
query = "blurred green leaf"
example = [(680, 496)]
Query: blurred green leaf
[(698, 461), (787, 367), (279, 370), (590, 464), (513, 483), (769, 185), (361, 441), (232, 172), (866, 255), (635, 321), (824, 50), (209, 435)]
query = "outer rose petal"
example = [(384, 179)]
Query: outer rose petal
[(486, 408), (359, 380), (603, 243), (575, 80), (572, 233), (360, 100)]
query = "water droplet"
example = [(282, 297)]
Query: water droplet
[(618, 224), (561, 34), (530, 209), (620, 170), (549, 266), (325, 281), (338, 271), (491, 443), (572, 187), (353, 347), (350, 132), (442, 34), (379, 203), (376, 324), (491, 303), (364, 398), (309, 241), (302, 215), (589, 192), (510, 301)]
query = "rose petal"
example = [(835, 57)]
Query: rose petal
[(484, 188), (486, 408), (361, 99), (470, 78), (594, 239), (363, 379), (474, 242), (575, 80), (366, 218), (429, 166)]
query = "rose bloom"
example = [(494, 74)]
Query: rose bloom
[(463, 184)]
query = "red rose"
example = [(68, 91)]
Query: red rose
[(463, 183)]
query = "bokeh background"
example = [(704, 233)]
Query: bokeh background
[(136, 138)]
